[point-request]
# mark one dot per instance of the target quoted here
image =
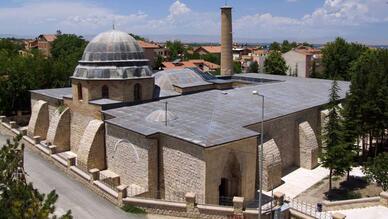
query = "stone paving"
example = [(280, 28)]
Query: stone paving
[(300, 180), (377, 212)]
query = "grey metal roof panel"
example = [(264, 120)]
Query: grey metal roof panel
[(212, 117), (57, 93)]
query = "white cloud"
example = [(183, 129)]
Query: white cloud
[(333, 18), (178, 8)]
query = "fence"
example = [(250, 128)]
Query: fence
[(307, 208)]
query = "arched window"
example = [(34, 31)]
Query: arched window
[(79, 90), (137, 93), (105, 92)]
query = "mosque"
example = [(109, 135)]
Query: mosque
[(179, 131)]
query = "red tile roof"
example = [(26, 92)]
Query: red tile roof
[(148, 45), (49, 37), (190, 64), (210, 49)]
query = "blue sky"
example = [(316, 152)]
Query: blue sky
[(265, 20)]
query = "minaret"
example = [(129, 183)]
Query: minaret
[(226, 41)]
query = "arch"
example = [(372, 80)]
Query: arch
[(230, 182), (79, 91), (272, 166), (105, 92), (137, 92), (91, 152), (59, 130), (129, 143), (308, 146), (39, 120)]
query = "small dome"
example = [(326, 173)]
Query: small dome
[(160, 116), (112, 46)]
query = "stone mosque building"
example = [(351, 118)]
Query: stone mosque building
[(178, 131)]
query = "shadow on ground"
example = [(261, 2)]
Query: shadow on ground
[(347, 189)]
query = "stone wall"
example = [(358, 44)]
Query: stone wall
[(39, 121), (284, 130), (308, 146), (77, 126), (184, 168), (133, 158), (59, 130), (120, 90), (236, 162), (91, 153), (272, 166)]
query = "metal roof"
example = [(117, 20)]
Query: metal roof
[(57, 93), (216, 117)]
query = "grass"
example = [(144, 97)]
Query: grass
[(132, 209)]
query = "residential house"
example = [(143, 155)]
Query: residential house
[(300, 61), (152, 51), (43, 43)]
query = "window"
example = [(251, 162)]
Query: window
[(105, 92), (79, 90), (137, 93)]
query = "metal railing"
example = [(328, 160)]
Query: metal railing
[(307, 208)]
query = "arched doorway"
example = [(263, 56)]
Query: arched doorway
[(105, 92), (230, 184), (137, 93)]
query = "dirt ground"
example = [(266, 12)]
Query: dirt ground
[(356, 187)]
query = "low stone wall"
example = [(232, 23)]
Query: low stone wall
[(190, 209), (356, 203), (294, 214)]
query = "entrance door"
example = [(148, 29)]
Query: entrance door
[(223, 190)]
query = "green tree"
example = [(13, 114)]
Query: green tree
[(177, 50), (377, 170), (159, 62), (19, 199), (10, 45), (216, 59), (367, 102), (66, 51), (338, 57), (334, 155), (275, 46), (275, 64), (254, 67), (137, 37), (237, 67)]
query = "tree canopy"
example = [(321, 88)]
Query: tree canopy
[(177, 49), (275, 64), (338, 57), (284, 47), (20, 73), (254, 67), (377, 170), (18, 198)]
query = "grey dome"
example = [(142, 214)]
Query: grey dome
[(113, 55), (112, 46)]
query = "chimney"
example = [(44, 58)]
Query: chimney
[(226, 41)]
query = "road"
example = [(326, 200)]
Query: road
[(83, 203)]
